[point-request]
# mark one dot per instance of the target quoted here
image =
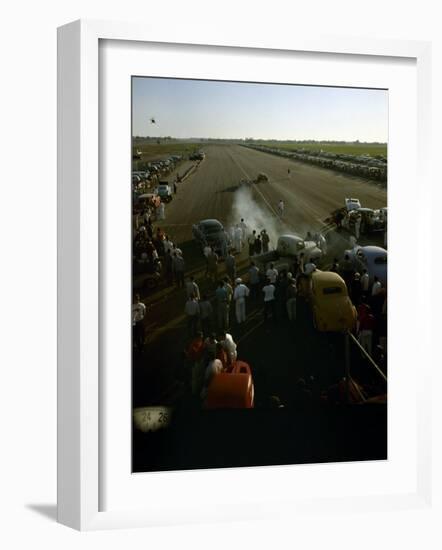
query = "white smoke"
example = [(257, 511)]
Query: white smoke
[(256, 216)]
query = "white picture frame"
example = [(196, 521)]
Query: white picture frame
[(79, 436)]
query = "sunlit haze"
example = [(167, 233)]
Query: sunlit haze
[(236, 110)]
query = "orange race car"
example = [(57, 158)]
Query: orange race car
[(232, 389)]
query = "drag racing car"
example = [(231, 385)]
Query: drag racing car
[(211, 232), (371, 258), (287, 248), (232, 389), (331, 306), (262, 178)]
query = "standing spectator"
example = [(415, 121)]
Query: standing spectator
[(161, 212), (138, 314), (213, 368), (254, 280), (301, 263), (206, 313), (174, 188), (243, 227), (251, 240), (192, 288), (207, 251), (240, 294), (347, 270), (377, 286), (269, 300), (238, 238), (178, 269), (365, 283), (212, 266), (335, 266), (366, 323), (265, 241), (377, 296), (192, 311), (168, 269), (222, 308), (231, 266), (272, 274), (356, 289), (167, 244), (229, 345), (322, 243), (291, 300), (177, 250), (258, 245), (281, 208), (229, 290), (353, 242), (310, 266), (358, 222)]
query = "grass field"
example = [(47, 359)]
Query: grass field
[(349, 148), (152, 151), (157, 151)]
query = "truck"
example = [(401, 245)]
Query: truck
[(288, 247)]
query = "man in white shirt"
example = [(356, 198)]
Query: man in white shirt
[(138, 314), (213, 368), (192, 311), (310, 266), (376, 288), (238, 238), (269, 300), (168, 245), (239, 295), (281, 208), (192, 288), (365, 280), (272, 274), (243, 227), (228, 344)]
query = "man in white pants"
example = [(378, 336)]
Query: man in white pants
[(240, 294), (238, 238)]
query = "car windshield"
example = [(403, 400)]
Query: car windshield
[(210, 229), (332, 290), (380, 260)]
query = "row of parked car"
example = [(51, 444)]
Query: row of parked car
[(359, 165), (156, 168)]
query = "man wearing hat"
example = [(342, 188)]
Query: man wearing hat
[(240, 294)]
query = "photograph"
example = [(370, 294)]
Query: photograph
[(259, 274)]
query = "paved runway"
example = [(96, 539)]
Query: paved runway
[(310, 193)]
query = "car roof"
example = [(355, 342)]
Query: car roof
[(210, 222), (371, 249), (323, 279)]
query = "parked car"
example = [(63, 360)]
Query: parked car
[(331, 306), (371, 258), (211, 232), (164, 191)]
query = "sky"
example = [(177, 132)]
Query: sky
[(214, 109)]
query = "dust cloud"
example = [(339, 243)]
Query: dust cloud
[(255, 216), (259, 216)]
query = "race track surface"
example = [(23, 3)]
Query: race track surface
[(310, 193)]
